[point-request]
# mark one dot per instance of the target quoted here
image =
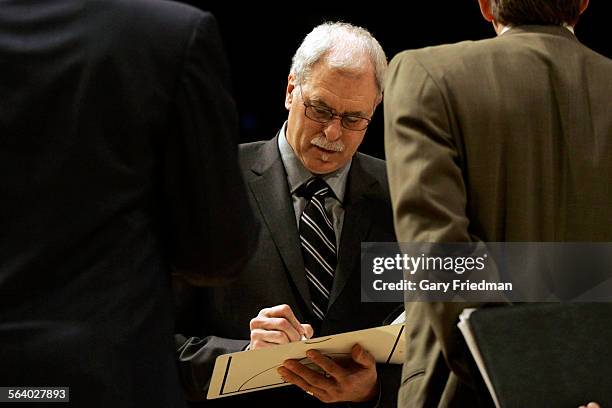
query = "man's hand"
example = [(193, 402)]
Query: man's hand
[(277, 325), (355, 380)]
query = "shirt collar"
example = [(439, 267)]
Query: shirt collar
[(297, 174), (506, 28)]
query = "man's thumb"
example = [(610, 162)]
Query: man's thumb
[(361, 356)]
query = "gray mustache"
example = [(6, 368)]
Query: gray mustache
[(323, 143)]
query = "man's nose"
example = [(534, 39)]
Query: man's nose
[(333, 129)]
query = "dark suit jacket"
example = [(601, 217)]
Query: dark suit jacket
[(115, 123), (275, 275), (505, 139)]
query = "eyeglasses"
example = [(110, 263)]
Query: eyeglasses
[(324, 115)]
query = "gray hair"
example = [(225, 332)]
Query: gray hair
[(344, 47)]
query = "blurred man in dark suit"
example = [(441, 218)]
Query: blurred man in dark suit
[(505, 139), (117, 165)]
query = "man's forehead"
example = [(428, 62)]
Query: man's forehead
[(362, 74), (354, 94)]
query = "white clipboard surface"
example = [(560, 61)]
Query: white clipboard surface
[(255, 370)]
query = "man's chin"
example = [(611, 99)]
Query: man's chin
[(320, 166)]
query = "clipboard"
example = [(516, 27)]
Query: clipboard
[(255, 370)]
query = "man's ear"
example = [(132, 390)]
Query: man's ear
[(379, 100), (289, 91), (584, 5), (485, 10)]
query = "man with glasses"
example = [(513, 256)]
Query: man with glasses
[(318, 199)]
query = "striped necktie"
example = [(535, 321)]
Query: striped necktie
[(318, 242)]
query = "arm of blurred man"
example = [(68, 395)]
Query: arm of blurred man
[(211, 229)]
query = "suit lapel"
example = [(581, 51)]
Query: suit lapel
[(271, 192), (356, 225)]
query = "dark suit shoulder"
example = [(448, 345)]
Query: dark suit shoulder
[(174, 14), (376, 168), (372, 164), (249, 153), (246, 149), (157, 29), (150, 39)]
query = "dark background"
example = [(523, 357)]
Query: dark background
[(260, 41)]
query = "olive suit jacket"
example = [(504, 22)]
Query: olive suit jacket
[(504, 139)]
